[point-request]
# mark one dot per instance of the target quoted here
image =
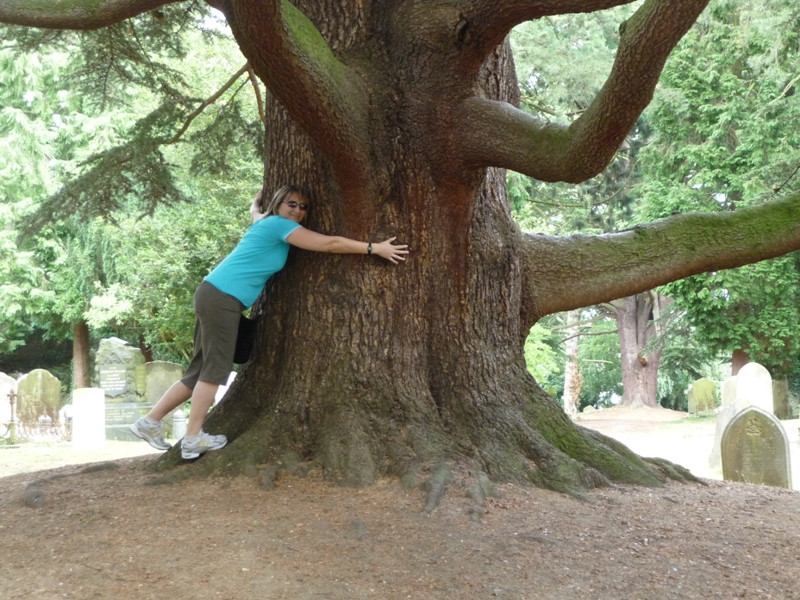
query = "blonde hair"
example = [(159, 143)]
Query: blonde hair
[(280, 196)]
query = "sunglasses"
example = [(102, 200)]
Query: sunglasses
[(293, 204)]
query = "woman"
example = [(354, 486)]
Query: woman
[(230, 288)]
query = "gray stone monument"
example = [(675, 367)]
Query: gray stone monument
[(120, 371), (7, 385), (160, 375), (702, 396), (122, 377), (780, 399), (755, 449), (726, 412), (751, 387), (38, 394)]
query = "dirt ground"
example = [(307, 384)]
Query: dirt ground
[(104, 530)]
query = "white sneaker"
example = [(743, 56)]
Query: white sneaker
[(195, 446), (150, 432)]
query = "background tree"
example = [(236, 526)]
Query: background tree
[(400, 119)]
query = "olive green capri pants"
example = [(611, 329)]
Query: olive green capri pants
[(215, 329)]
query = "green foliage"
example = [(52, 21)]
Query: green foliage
[(721, 141), (544, 358), (599, 363), (101, 129), (753, 308)]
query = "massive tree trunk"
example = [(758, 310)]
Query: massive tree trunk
[(637, 323), (368, 369), (399, 117)]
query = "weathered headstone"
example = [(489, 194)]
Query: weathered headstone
[(702, 396), (120, 371), (160, 375), (780, 399), (754, 388), (122, 377), (755, 449), (7, 385), (38, 393), (726, 412), (88, 418)]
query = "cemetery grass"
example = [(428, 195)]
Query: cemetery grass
[(105, 530)]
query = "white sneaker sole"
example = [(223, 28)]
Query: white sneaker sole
[(190, 454)]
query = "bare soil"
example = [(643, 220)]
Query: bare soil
[(105, 530)]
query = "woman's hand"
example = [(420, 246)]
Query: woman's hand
[(255, 208), (391, 252)]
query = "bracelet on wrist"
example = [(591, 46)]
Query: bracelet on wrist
[(369, 248)]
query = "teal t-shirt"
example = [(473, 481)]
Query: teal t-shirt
[(261, 253)]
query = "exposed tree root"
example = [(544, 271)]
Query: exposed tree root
[(34, 496), (436, 485)]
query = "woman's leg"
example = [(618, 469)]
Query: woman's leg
[(177, 394), (202, 400)]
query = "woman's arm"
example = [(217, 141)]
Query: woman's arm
[(317, 242)]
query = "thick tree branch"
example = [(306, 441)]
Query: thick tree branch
[(605, 267), (497, 134), (74, 14), (319, 92)]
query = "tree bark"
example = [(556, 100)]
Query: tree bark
[(636, 323), (80, 355)]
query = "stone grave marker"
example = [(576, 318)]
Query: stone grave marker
[(160, 375), (702, 396), (780, 399), (122, 377), (755, 449), (726, 412), (120, 371), (88, 418), (38, 394), (753, 388), (7, 384)]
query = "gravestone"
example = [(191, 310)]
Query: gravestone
[(754, 388), (780, 399), (38, 394), (120, 371), (755, 449), (122, 377), (702, 396), (726, 412), (7, 385), (88, 418), (160, 375)]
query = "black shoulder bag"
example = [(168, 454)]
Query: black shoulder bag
[(245, 339)]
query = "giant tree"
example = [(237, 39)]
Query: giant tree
[(399, 116)]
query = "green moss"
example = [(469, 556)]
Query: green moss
[(310, 41)]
